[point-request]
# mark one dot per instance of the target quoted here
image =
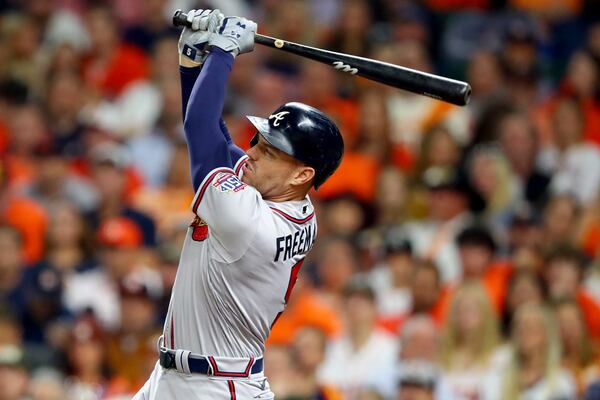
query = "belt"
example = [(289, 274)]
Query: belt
[(185, 361)]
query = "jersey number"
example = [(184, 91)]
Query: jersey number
[(291, 283)]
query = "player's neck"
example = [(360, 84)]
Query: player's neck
[(291, 194), (282, 198)]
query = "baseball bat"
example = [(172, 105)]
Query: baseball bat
[(423, 83)]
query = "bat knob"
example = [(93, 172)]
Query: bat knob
[(180, 19), (466, 94)]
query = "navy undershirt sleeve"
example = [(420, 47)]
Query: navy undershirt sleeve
[(188, 76), (207, 145)]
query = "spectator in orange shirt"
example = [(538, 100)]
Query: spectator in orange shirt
[(111, 65), (304, 308), (524, 287), (579, 355), (24, 215), (131, 350), (563, 274)]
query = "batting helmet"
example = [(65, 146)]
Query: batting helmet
[(304, 133)]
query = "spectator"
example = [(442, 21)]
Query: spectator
[(419, 368), (574, 163), (470, 341), (391, 198), (47, 384), (434, 238), (86, 360), (563, 275), (54, 183), (363, 357), (560, 221), (426, 291), (13, 375), (578, 355), (12, 281), (168, 205), (335, 268), (524, 287), (520, 145), (533, 370), (110, 175), (308, 351), (392, 279), (491, 177), (152, 27), (110, 65), (96, 289), (130, 347), (64, 103)]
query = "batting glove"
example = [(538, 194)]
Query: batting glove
[(235, 35), (193, 42)]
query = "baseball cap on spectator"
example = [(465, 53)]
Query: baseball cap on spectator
[(119, 232), (46, 285), (86, 329), (444, 178), (520, 32), (132, 287), (524, 215), (448, 178), (12, 356), (418, 374), (110, 153), (396, 241), (476, 236), (359, 287)]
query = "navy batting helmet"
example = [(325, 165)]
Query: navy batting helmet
[(304, 133)]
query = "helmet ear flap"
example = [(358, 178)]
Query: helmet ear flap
[(254, 140)]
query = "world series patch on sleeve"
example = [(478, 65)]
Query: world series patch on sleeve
[(229, 183)]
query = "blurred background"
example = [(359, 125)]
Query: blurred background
[(459, 247)]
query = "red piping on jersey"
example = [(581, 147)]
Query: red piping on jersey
[(290, 218), (206, 183), (231, 389), (216, 371), (240, 165), (293, 278)]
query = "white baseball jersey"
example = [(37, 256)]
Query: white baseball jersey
[(238, 266)]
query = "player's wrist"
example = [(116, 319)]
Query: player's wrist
[(188, 63)]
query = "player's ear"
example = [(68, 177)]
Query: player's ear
[(303, 174)]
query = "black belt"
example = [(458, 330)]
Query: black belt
[(206, 365)]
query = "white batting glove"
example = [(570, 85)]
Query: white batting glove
[(235, 35), (193, 42)]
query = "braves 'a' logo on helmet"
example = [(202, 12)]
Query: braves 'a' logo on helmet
[(278, 117)]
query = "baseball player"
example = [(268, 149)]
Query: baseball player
[(253, 226)]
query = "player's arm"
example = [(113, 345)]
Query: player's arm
[(193, 51)]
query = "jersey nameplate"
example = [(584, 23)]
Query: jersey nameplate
[(297, 243)]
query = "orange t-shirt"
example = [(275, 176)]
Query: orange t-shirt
[(30, 219), (495, 283), (127, 64), (304, 310), (591, 312), (357, 174)]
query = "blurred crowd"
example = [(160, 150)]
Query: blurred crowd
[(458, 254)]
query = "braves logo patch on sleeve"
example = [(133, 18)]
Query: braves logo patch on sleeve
[(229, 183)]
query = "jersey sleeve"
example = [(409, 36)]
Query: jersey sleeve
[(231, 210)]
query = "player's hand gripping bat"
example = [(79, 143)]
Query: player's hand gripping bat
[(438, 87)]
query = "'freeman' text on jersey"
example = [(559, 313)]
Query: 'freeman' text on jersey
[(297, 243)]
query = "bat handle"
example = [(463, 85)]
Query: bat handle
[(180, 19)]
